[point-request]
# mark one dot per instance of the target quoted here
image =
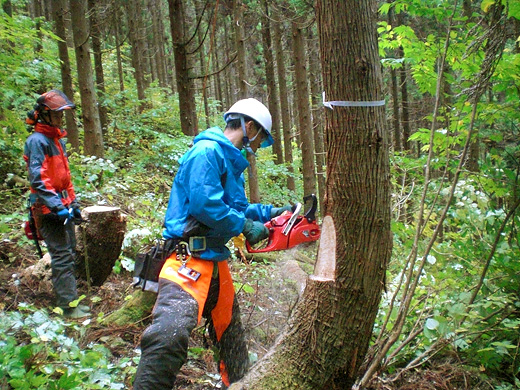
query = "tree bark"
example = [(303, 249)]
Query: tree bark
[(238, 14), (304, 110), (185, 84), (329, 331), (202, 53), (98, 63), (317, 120), (136, 36), (99, 242), (284, 103), (93, 141), (116, 21), (58, 12), (272, 93)]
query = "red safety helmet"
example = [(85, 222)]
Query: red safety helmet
[(54, 100)]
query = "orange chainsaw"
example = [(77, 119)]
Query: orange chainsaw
[(291, 228)]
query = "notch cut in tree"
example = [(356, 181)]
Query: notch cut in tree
[(99, 242)]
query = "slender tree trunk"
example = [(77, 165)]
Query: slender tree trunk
[(330, 328), (240, 46), (304, 110), (159, 40), (7, 6), (95, 33), (58, 12), (93, 141), (202, 52), (116, 20), (284, 103), (405, 104), (395, 107), (272, 92), (185, 85), (218, 82), (37, 10), (254, 190), (395, 94), (317, 120), (134, 9)]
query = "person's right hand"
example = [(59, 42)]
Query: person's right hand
[(254, 231), (63, 214)]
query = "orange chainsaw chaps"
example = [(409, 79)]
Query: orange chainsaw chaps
[(221, 314)]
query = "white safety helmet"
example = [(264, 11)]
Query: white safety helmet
[(256, 111)]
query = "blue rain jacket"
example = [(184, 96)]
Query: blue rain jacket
[(208, 196)]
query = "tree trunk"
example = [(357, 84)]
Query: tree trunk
[(93, 142), (58, 12), (395, 108), (405, 104), (202, 53), (284, 103), (304, 110), (95, 33), (185, 85), (272, 93), (317, 120), (330, 329), (136, 36), (116, 21), (254, 190), (99, 242)]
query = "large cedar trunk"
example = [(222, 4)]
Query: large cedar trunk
[(329, 331), (93, 143)]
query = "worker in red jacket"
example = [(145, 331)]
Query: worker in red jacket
[(53, 201)]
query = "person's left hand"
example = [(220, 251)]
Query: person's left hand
[(276, 211), (76, 211)]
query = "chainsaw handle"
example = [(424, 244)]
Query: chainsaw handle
[(310, 215)]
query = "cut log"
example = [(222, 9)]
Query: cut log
[(99, 242)]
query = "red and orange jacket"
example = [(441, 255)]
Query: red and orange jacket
[(48, 167)]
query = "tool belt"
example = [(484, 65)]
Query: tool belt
[(148, 265)]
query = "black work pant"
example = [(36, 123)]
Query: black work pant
[(164, 344), (61, 244)]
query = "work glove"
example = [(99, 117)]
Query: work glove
[(276, 211), (254, 231), (63, 214), (76, 211)]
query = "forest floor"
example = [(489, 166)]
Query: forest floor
[(267, 296)]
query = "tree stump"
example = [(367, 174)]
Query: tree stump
[(99, 242)]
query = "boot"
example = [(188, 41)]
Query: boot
[(75, 312)]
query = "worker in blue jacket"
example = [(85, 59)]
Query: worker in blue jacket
[(53, 200), (207, 207)]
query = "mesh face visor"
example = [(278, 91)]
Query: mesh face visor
[(55, 100)]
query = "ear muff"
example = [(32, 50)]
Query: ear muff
[(32, 117)]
